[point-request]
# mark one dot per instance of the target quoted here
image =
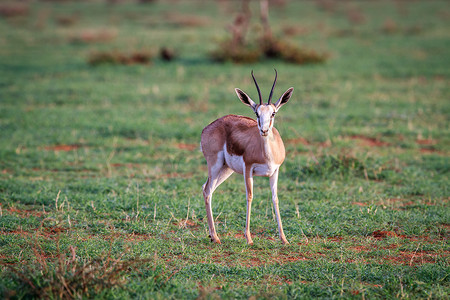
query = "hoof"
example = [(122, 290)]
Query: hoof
[(215, 240)]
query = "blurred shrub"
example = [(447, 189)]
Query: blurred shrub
[(8, 10), (117, 57), (267, 47), (278, 48), (228, 51), (167, 54)]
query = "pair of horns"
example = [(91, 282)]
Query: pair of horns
[(271, 91)]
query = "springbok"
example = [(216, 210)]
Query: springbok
[(248, 147)]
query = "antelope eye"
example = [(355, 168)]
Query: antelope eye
[(273, 114)]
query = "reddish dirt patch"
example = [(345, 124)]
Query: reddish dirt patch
[(335, 238), (135, 237), (54, 230), (368, 141), (48, 233), (396, 200), (62, 147), (426, 142), (359, 203), (446, 226), (360, 248), (239, 236), (382, 234), (415, 257), (129, 165), (429, 151), (187, 224), (26, 213), (279, 258), (189, 147), (397, 203)]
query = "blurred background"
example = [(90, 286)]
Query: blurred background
[(102, 104)]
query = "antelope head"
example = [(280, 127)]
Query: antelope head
[(265, 112)]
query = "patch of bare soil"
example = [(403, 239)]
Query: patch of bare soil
[(428, 146), (50, 233), (416, 257), (135, 237), (397, 203), (187, 224), (382, 234), (62, 147), (368, 141), (429, 151), (128, 165), (426, 142), (26, 213), (359, 203), (189, 147)]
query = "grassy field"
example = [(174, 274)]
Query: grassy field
[(101, 172)]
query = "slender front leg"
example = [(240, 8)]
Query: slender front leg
[(207, 194), (217, 174), (248, 176), (274, 189)]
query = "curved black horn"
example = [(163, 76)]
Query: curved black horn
[(257, 87), (271, 91)]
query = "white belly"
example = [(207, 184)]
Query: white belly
[(235, 162), (264, 169)]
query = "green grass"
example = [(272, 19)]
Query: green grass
[(101, 173)]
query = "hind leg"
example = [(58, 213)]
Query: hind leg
[(217, 173)]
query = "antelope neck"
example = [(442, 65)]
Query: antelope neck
[(266, 145)]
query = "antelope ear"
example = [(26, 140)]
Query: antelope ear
[(245, 98), (284, 98)]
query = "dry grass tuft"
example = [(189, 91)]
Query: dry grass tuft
[(115, 57), (9, 10), (64, 276)]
